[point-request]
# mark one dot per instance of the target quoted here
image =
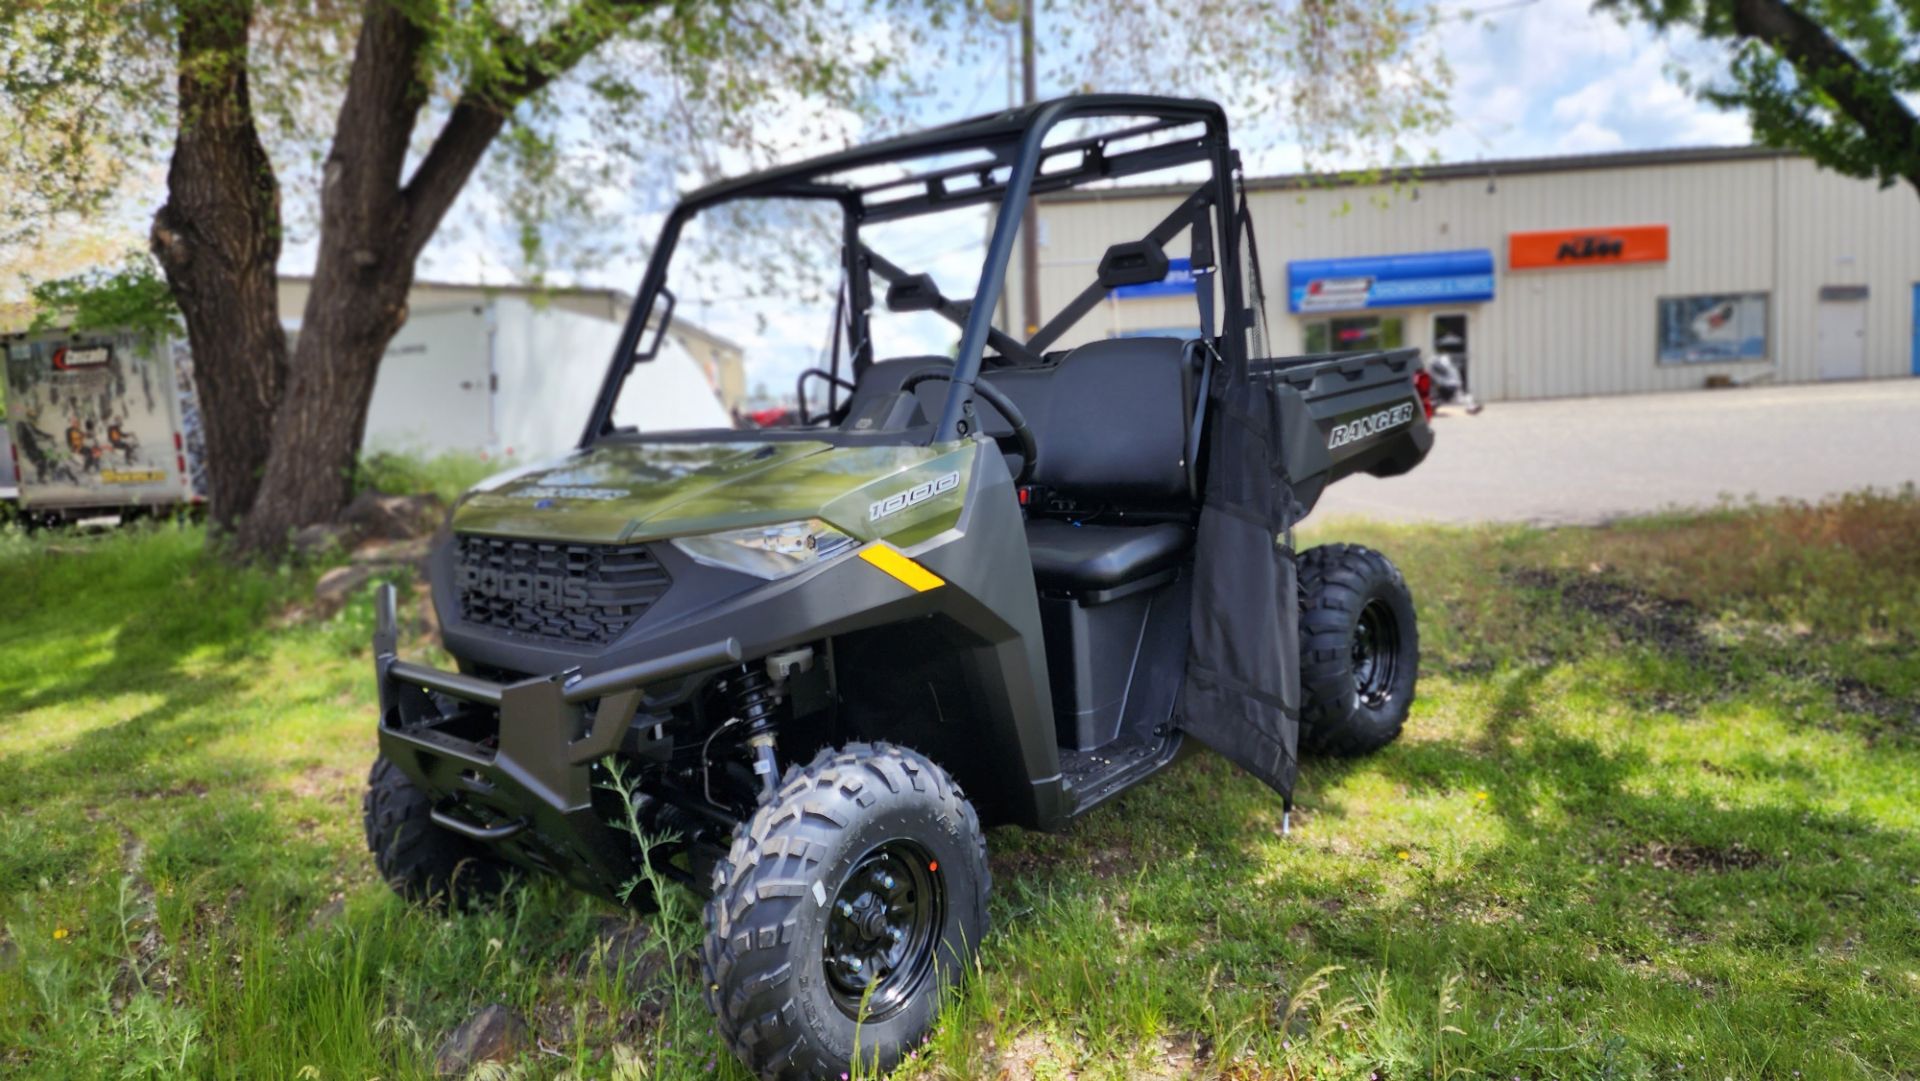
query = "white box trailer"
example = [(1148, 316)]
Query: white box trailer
[(101, 422), (513, 379)]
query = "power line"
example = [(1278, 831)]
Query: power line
[(1490, 9)]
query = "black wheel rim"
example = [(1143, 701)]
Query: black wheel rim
[(883, 930), (1376, 654)]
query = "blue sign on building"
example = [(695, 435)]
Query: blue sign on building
[(1177, 283), (1390, 281)]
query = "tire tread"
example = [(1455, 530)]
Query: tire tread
[(420, 861), (1334, 585), (769, 871)]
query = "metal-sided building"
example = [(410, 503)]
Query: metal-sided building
[(1601, 274)]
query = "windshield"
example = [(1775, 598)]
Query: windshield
[(761, 300)]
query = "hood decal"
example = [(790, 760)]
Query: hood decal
[(619, 493), (548, 492)]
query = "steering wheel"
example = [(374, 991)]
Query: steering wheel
[(1021, 433), (800, 393)]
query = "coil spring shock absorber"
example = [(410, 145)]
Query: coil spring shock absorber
[(753, 702)]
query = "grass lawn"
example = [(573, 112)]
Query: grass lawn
[(1657, 815)]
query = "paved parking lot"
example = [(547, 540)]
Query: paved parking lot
[(1585, 460)]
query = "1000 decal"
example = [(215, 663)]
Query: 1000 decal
[(900, 501)]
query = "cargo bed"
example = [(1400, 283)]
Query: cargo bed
[(1359, 413)]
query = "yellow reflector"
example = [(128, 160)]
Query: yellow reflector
[(919, 578)]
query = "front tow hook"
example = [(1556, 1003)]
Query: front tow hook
[(479, 833)]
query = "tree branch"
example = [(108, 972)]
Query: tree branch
[(484, 105), (1825, 64)]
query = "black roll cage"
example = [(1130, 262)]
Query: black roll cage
[(1021, 167)]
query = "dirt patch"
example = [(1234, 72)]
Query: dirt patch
[(143, 965), (1854, 696), (557, 1023), (1679, 705), (1009, 865), (1113, 862), (1675, 627), (323, 783), (1469, 668), (1023, 1056), (190, 790), (1102, 861), (1634, 614), (1187, 1055), (1692, 859)]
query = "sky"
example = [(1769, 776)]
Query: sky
[(1549, 77)]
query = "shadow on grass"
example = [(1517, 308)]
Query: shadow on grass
[(122, 614), (1673, 915), (129, 664)]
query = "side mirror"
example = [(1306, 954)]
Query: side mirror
[(917, 293), (656, 325), (1133, 262)]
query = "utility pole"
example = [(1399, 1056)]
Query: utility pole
[(1030, 223)]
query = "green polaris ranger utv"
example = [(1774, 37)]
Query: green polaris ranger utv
[(821, 649)]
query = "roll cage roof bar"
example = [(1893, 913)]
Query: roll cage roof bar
[(1019, 166)]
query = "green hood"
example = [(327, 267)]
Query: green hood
[(618, 493)]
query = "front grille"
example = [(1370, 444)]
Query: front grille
[(585, 593)]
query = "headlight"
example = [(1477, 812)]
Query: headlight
[(773, 551)]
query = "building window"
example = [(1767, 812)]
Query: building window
[(1356, 332), (1719, 327)]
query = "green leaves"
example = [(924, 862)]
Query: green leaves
[(132, 296), (1830, 78), (81, 92)]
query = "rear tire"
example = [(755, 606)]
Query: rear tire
[(1359, 650), (420, 861), (865, 876)]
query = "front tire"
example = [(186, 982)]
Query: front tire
[(1359, 650), (420, 861), (846, 905)]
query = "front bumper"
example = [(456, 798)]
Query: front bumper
[(512, 765)]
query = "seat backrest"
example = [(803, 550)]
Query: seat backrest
[(1112, 421), (1110, 417)]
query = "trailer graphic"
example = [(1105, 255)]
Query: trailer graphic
[(100, 420)]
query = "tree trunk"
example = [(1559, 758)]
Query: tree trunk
[(218, 241), (372, 229), (360, 284)]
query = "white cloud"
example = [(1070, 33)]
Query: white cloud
[(1588, 137), (1555, 78), (1589, 103)]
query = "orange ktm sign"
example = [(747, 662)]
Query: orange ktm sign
[(1587, 247)]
